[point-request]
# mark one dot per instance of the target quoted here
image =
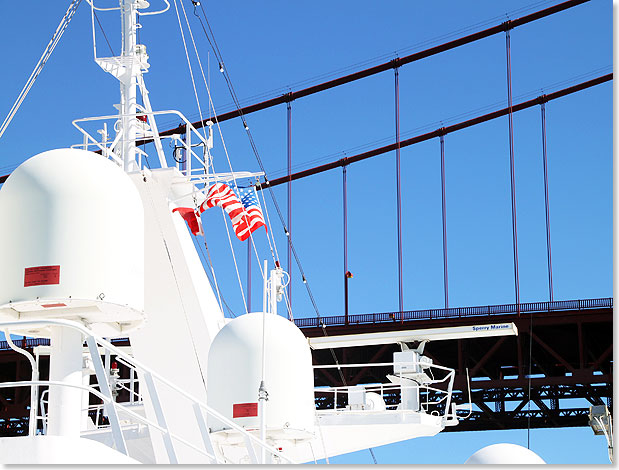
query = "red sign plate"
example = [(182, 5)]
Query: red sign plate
[(244, 410), (42, 276)]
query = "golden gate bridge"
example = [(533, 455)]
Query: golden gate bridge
[(564, 347)]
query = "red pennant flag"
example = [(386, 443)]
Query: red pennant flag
[(192, 219)]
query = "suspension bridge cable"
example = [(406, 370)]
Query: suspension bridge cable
[(450, 119), (398, 52), (529, 381), (444, 130), (434, 50), (345, 160), (546, 201), (512, 171)]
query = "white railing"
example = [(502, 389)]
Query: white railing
[(443, 395), (149, 378), (191, 164)]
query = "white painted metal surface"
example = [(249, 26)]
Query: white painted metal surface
[(65, 365), (498, 454), (58, 450), (181, 307), (76, 216), (234, 372), (119, 255), (404, 336), (199, 443)]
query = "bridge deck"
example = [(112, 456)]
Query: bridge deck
[(569, 344), (563, 354)]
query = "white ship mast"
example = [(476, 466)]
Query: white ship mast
[(134, 62)]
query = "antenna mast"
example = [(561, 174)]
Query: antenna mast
[(128, 69), (131, 58)]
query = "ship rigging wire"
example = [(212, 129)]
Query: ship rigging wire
[(211, 106), (178, 288), (213, 43), (38, 68), (228, 81), (373, 456), (105, 35), (272, 245), (193, 83), (213, 281), (277, 92)]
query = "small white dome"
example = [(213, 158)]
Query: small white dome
[(504, 454), (234, 373)]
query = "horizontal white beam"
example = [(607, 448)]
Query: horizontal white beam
[(406, 336), (44, 350)]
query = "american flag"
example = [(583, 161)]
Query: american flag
[(242, 207)]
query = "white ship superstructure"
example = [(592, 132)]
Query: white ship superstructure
[(102, 254)]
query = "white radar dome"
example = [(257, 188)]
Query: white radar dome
[(234, 373), (72, 242), (504, 454)]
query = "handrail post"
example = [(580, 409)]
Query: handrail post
[(167, 439), (104, 387), (250, 450), (32, 423), (206, 438)]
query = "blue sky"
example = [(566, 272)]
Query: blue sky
[(277, 46)]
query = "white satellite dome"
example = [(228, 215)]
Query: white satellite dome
[(72, 244), (504, 454), (234, 375)]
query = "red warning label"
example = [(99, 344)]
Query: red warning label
[(41, 276), (244, 410)]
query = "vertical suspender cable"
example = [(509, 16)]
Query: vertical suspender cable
[(545, 162), (398, 190), (511, 165), (345, 225), (444, 212), (529, 381), (289, 151)]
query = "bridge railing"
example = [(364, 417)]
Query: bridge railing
[(30, 343), (457, 312), (409, 315)]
